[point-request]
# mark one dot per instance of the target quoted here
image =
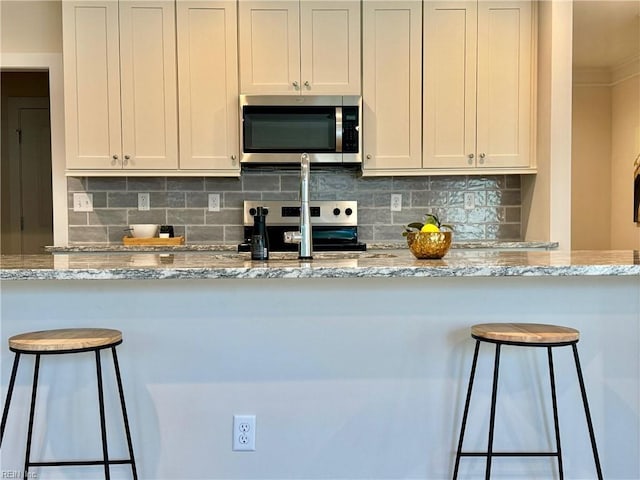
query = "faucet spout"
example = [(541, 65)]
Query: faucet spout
[(306, 249)]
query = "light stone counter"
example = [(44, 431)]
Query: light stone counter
[(218, 247), (374, 264)]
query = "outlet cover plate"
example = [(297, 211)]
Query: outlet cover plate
[(214, 202), (83, 202), (244, 433)]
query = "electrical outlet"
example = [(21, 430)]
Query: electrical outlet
[(469, 200), (396, 202), (214, 202), (244, 432), (83, 202), (143, 201)]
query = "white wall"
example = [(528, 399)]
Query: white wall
[(625, 147), (349, 378), (606, 140), (31, 39), (591, 168)]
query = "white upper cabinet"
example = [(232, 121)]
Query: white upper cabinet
[(392, 86), (300, 47), (120, 85), (208, 86), (477, 84)]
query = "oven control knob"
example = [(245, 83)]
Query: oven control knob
[(336, 211), (348, 211), (265, 210), (252, 211)]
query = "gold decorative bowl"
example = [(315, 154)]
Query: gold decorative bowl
[(429, 244)]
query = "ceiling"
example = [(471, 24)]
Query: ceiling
[(606, 33)]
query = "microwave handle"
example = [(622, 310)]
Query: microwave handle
[(338, 129)]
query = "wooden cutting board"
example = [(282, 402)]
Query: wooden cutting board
[(153, 241)]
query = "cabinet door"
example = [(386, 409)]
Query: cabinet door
[(269, 46), (149, 85), (330, 47), (208, 85), (392, 84), (504, 83), (92, 84), (449, 118)]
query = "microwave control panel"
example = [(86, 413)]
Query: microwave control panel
[(350, 136)]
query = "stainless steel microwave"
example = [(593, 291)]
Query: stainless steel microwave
[(279, 128)]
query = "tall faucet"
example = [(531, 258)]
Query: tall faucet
[(303, 236), (305, 212)]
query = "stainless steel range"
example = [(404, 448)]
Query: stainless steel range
[(334, 225)]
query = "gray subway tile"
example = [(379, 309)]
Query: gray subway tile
[(122, 199), (108, 216), (202, 234), (181, 184), (144, 184), (106, 183), (158, 216), (185, 216), (88, 234), (216, 184), (261, 183), (76, 184), (78, 218)]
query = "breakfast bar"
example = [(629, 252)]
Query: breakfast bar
[(354, 364)]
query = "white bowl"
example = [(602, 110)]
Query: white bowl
[(143, 230)]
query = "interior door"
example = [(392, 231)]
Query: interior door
[(31, 217)]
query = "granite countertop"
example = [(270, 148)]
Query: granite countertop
[(373, 263), (115, 247)]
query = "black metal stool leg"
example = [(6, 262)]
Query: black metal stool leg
[(465, 414), (124, 414), (7, 401), (32, 410), (103, 428), (583, 391), (492, 418), (555, 412)]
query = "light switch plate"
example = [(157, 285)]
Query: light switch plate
[(83, 202)]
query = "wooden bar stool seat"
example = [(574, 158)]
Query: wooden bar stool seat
[(524, 335), (69, 341)]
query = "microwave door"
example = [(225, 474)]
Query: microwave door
[(273, 129)]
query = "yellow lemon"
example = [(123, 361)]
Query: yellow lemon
[(429, 227)]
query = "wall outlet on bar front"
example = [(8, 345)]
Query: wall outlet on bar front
[(143, 201), (83, 202), (244, 432), (214, 202), (396, 202)]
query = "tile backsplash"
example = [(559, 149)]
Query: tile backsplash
[(182, 202)]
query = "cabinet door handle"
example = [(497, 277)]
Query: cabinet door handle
[(307, 84), (126, 160), (482, 155), (369, 156), (233, 158), (295, 84), (114, 159), (471, 157)]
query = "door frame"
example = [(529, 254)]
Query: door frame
[(51, 63)]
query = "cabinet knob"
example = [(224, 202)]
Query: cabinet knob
[(369, 156), (295, 84), (233, 157), (482, 155), (126, 160), (114, 159), (471, 157), (307, 84)]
